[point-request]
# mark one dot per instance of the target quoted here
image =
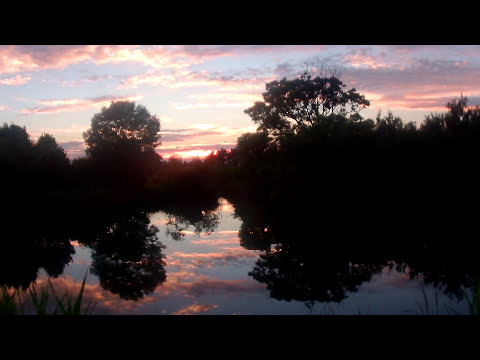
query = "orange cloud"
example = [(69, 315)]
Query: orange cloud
[(195, 309)]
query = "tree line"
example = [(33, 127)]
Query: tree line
[(311, 140)]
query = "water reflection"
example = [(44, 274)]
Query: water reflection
[(126, 253), (127, 257), (202, 215), (290, 254), (313, 256), (177, 224)]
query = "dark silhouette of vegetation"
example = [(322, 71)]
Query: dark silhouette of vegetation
[(22, 160), (176, 181), (290, 105), (121, 146), (330, 198), (31, 238)]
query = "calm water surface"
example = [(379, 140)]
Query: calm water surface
[(206, 270)]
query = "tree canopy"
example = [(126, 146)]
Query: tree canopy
[(47, 150), (122, 125), (301, 102)]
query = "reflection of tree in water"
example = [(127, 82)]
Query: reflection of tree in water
[(253, 237), (294, 272), (177, 224), (318, 259), (30, 241), (202, 215), (127, 257), (452, 268)]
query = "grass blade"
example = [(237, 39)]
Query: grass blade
[(59, 301), (78, 302), (7, 303)]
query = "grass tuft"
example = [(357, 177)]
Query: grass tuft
[(68, 304)]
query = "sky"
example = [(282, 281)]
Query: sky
[(200, 92)]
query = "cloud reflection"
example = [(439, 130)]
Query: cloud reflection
[(195, 309)]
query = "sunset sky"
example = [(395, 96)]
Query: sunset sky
[(200, 92)]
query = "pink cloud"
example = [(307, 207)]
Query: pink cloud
[(428, 98), (205, 52), (423, 85), (40, 57), (17, 80), (358, 60), (247, 83), (28, 58), (58, 102), (70, 105), (213, 242)]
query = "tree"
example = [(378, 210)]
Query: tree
[(15, 155), (15, 144), (251, 146), (389, 125), (15, 135), (123, 125), (49, 153), (289, 104), (121, 144)]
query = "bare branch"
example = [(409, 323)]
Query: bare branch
[(322, 67)]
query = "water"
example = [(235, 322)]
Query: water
[(212, 264)]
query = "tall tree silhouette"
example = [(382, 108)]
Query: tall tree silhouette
[(292, 104), (121, 144)]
